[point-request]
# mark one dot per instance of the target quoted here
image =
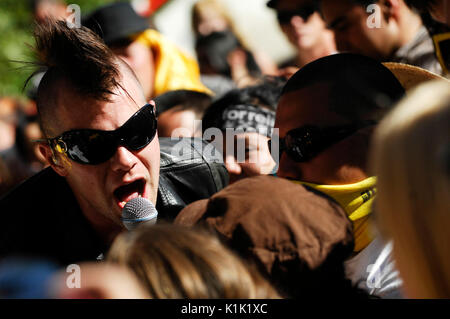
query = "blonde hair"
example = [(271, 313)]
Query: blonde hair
[(202, 7), (410, 156), (178, 262)]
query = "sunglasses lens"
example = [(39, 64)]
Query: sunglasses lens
[(140, 130), (304, 143), (298, 147), (90, 147), (95, 147), (139, 137)]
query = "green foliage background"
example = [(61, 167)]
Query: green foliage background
[(16, 25)]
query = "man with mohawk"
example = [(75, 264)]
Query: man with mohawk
[(102, 145)]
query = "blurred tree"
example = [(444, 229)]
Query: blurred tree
[(16, 27)]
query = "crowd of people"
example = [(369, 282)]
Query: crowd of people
[(327, 175)]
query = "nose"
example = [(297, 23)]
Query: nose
[(297, 22), (123, 160), (232, 166)]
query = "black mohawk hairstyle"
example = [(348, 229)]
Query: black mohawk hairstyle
[(78, 55)]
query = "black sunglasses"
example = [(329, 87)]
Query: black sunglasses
[(284, 17), (304, 143), (87, 146)]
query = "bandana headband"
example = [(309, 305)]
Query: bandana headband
[(248, 118)]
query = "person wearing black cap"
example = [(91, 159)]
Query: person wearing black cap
[(159, 65), (305, 30)]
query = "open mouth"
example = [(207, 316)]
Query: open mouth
[(125, 193)]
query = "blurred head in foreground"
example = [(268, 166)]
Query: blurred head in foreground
[(98, 281), (178, 262), (411, 157), (31, 278)]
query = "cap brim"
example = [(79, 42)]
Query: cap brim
[(271, 4)]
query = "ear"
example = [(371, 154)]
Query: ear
[(53, 159)]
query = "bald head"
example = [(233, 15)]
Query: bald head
[(358, 87)]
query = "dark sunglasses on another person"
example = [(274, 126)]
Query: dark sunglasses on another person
[(304, 143), (305, 12), (87, 146)]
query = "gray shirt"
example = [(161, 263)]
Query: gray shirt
[(419, 52)]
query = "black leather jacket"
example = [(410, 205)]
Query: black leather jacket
[(41, 217), (186, 176)]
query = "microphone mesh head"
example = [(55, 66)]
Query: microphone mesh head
[(139, 208)]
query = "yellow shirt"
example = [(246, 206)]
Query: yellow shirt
[(174, 70)]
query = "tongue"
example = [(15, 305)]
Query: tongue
[(127, 199)]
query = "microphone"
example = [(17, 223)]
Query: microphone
[(138, 211)]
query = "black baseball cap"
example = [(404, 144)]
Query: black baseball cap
[(116, 22), (272, 4)]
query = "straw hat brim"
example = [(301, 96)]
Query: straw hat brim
[(411, 76)]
